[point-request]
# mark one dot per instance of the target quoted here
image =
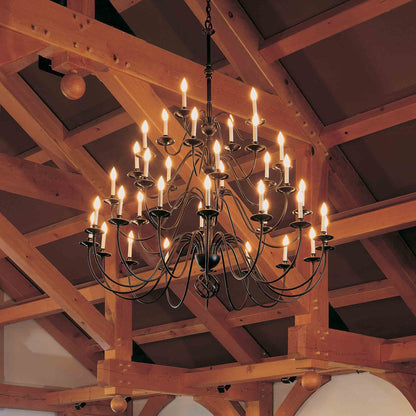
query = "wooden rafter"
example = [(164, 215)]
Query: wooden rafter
[(217, 407), (338, 19), (155, 405), (43, 273)]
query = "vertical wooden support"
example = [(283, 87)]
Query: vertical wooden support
[(155, 405), (264, 406), (118, 311)]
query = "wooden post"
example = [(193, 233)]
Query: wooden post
[(118, 311), (264, 406)]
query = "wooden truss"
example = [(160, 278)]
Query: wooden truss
[(73, 39)]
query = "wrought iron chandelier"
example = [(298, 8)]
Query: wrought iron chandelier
[(221, 257)]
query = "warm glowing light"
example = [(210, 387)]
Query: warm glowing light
[(286, 241), (136, 148), (207, 183), (166, 243), (113, 173), (121, 192), (299, 196), (230, 121), (194, 114), (131, 236), (324, 209), (256, 120), (265, 205), (145, 127), (217, 147), (140, 196), (168, 162), (161, 184), (248, 247), (302, 185), (165, 115), (104, 228), (92, 216), (260, 187), (147, 155), (267, 158), (222, 167), (200, 206), (286, 162), (184, 85), (97, 203), (253, 94), (280, 139), (312, 233)]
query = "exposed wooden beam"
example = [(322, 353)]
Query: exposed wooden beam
[(404, 382), (63, 32), (338, 19), (35, 265), (48, 184), (217, 407), (296, 397), (86, 7), (122, 5), (398, 351), (155, 405), (263, 406), (369, 122)]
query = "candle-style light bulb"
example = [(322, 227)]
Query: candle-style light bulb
[(166, 244), (266, 206), (285, 244), (267, 160), (113, 177), (145, 130), (161, 188), (194, 117), (300, 197), (286, 164), (168, 165), (217, 150), (201, 219), (312, 235), (130, 240), (104, 229), (248, 248), (97, 205), (281, 143), (184, 88), (92, 216), (121, 195), (222, 170), (136, 151), (255, 122), (253, 96), (261, 189), (146, 158), (324, 218), (207, 184), (165, 118), (230, 123), (140, 198)]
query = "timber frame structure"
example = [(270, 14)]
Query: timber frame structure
[(73, 39)]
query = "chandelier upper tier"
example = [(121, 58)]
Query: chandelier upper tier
[(207, 257)]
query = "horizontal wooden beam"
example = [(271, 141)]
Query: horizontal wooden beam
[(372, 121), (338, 19), (111, 47), (21, 177), (48, 277), (399, 351)]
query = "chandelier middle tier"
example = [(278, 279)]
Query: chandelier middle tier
[(222, 258)]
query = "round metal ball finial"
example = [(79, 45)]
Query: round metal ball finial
[(311, 381), (118, 404), (73, 86)]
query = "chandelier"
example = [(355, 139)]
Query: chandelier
[(207, 256)]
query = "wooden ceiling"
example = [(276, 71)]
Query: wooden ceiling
[(337, 77)]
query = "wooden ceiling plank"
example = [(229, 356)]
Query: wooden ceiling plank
[(296, 397), (369, 122), (41, 271), (29, 179), (338, 19), (112, 48)]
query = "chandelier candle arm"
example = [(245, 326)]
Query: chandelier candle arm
[(312, 236), (168, 169), (194, 117), (161, 188), (146, 162), (140, 198), (286, 164), (136, 151), (324, 218), (255, 123), (130, 240), (121, 195), (261, 189), (207, 184), (253, 96), (184, 88), (281, 143), (267, 160), (217, 150), (230, 129), (145, 129), (97, 204), (165, 118), (104, 229)]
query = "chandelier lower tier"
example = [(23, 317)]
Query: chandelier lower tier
[(207, 257)]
